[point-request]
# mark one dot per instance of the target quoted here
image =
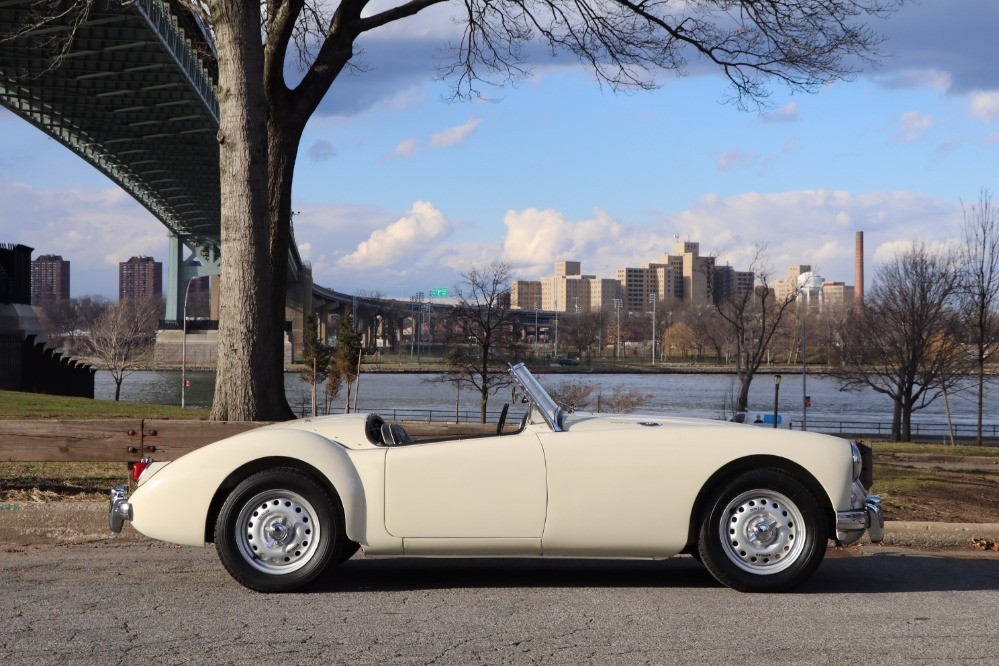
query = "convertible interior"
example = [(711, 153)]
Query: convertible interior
[(392, 433)]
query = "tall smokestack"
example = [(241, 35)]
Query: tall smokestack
[(858, 274)]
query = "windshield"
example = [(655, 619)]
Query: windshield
[(543, 402)]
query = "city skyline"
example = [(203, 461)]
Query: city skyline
[(397, 192)]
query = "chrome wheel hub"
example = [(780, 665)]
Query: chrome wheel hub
[(762, 532), (277, 531)]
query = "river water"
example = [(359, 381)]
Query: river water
[(705, 396)]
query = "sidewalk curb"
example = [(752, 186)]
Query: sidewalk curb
[(81, 522)]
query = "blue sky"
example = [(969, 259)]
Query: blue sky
[(399, 191)]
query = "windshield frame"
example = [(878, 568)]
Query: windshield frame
[(546, 406)]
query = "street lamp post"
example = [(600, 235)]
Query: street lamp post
[(418, 321), (652, 299), (618, 304), (426, 310), (183, 350), (415, 326), (804, 377), (776, 396), (535, 328), (555, 348)]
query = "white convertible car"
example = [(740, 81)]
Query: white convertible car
[(285, 503)]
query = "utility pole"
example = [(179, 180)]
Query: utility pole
[(652, 299), (618, 304)]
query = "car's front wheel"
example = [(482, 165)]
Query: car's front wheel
[(279, 530), (763, 531)]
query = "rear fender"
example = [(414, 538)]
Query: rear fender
[(176, 504)]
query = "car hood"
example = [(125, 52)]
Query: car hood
[(587, 422)]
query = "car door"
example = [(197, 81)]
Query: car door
[(477, 487)]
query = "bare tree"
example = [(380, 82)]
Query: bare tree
[(346, 357), (575, 395), (580, 331), (622, 400), (801, 43), (571, 395), (65, 319), (120, 335), (752, 320), (481, 329), (679, 338), (980, 292), (316, 358), (903, 343), (706, 325)]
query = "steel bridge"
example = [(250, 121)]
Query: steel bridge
[(130, 88)]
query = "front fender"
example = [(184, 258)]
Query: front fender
[(174, 504)]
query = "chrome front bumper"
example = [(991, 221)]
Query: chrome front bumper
[(119, 510), (851, 525)]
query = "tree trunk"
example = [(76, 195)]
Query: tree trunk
[(249, 379), (906, 421), (896, 421), (981, 397), (117, 389), (742, 404)]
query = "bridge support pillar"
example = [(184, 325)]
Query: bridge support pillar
[(203, 260)]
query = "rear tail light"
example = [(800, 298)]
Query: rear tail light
[(137, 468)]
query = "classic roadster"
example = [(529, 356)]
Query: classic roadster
[(287, 502)]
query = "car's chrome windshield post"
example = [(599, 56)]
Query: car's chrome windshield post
[(540, 399)]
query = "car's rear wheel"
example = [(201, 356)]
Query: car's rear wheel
[(279, 530), (763, 531)]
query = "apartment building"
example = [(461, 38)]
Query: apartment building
[(49, 279), (140, 277)]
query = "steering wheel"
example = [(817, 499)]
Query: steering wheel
[(502, 419)]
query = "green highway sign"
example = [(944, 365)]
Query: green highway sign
[(439, 292)]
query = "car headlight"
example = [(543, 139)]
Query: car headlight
[(858, 460)]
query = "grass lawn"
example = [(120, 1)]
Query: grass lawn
[(17, 405), (61, 481), (934, 449)]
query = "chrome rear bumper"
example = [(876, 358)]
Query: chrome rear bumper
[(120, 509), (851, 525)]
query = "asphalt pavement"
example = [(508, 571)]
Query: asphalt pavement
[(142, 602), (76, 594)]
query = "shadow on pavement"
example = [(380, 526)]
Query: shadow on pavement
[(398, 574), (872, 574), (904, 572)]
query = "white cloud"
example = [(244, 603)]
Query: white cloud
[(914, 123), (535, 239), (452, 136), (915, 78), (403, 243), (733, 158), (446, 138), (94, 229), (803, 227), (785, 114), (399, 255), (812, 226), (985, 105), (405, 148)]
